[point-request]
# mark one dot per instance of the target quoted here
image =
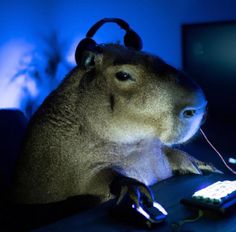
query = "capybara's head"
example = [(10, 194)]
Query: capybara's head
[(130, 95)]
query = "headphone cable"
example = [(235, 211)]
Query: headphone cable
[(217, 152)]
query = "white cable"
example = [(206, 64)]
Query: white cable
[(217, 152)]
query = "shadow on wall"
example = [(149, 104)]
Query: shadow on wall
[(36, 72)]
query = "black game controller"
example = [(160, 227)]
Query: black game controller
[(146, 213)]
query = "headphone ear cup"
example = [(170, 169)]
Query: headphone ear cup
[(86, 44), (133, 40)]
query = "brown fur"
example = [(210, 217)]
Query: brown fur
[(94, 126)]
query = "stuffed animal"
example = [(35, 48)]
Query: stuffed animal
[(116, 115)]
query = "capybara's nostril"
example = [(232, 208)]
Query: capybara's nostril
[(189, 113)]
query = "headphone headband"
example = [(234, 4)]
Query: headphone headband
[(124, 25), (131, 39)]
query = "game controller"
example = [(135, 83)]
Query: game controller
[(146, 213)]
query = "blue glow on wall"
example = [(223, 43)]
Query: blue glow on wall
[(38, 37)]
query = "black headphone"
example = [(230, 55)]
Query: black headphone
[(131, 39)]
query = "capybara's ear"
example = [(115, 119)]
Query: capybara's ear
[(85, 53)]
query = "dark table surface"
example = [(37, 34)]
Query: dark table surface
[(169, 193)]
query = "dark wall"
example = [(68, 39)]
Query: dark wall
[(209, 55)]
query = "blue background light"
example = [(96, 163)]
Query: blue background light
[(33, 33)]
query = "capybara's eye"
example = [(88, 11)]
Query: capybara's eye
[(123, 76)]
